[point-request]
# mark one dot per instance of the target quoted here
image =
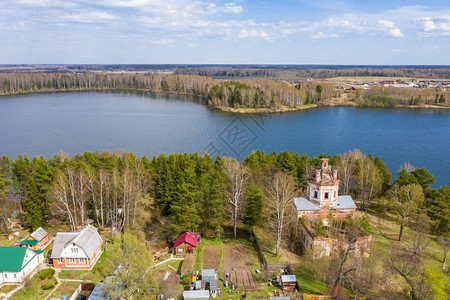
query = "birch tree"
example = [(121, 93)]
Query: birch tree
[(237, 175), (405, 203), (280, 204)]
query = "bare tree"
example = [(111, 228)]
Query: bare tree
[(237, 176), (444, 241), (405, 202), (281, 194), (60, 192)]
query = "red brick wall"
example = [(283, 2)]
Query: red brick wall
[(77, 265)]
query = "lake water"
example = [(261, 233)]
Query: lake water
[(44, 124)]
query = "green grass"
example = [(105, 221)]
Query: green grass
[(7, 288), (32, 290), (76, 274), (385, 235), (66, 288)]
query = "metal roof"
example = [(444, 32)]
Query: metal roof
[(186, 237), (39, 234), (288, 278), (301, 203), (87, 239), (29, 242), (196, 294), (12, 258), (344, 202), (60, 242), (208, 272)]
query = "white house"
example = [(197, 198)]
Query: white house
[(16, 263)]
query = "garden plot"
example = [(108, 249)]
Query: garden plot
[(211, 257), (237, 262)]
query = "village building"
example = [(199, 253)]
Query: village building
[(288, 282), (196, 295), (185, 243), (322, 200), (37, 240), (17, 263), (77, 250)]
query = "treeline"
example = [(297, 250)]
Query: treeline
[(120, 189), (291, 72), (262, 93)]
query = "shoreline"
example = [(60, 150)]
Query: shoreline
[(237, 110)]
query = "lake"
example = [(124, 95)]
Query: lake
[(149, 124)]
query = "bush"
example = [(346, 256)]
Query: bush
[(46, 273), (47, 286)]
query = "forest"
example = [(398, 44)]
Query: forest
[(262, 93), (215, 196)]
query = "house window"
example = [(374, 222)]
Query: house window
[(60, 260), (315, 194), (180, 249), (72, 260), (74, 250), (15, 276), (81, 260), (326, 195), (6, 275)]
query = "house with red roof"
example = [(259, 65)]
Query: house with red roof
[(186, 242)]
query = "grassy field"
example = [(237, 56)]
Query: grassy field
[(385, 235), (7, 288), (66, 288), (33, 289)]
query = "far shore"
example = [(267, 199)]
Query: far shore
[(238, 110)]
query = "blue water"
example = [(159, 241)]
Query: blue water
[(44, 124)]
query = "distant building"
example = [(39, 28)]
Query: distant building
[(17, 263), (322, 199), (39, 239), (288, 282), (186, 242), (77, 250), (196, 295)]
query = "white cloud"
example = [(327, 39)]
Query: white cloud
[(391, 28), (436, 26), (253, 33), (162, 42), (232, 8), (90, 17), (321, 35)]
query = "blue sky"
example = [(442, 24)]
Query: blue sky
[(228, 32)]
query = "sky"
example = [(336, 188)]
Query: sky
[(388, 32)]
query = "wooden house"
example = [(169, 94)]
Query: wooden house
[(186, 242), (38, 240)]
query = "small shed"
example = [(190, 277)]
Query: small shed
[(214, 288), (186, 242), (209, 274), (288, 282), (196, 295)]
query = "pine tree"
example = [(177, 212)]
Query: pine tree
[(252, 213), (33, 206)]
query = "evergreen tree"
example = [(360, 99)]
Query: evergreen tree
[(252, 213), (20, 176), (184, 207), (33, 206), (43, 175), (384, 171)]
